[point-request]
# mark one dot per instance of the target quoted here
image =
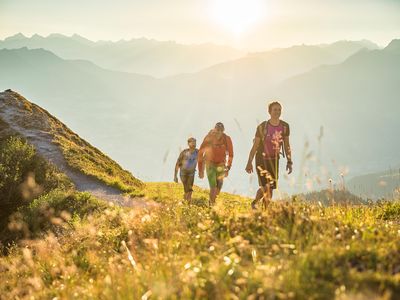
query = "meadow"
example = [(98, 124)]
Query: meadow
[(68, 245), (57, 243)]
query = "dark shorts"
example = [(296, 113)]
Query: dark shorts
[(267, 172), (215, 175), (187, 181)]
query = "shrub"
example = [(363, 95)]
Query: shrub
[(24, 175)]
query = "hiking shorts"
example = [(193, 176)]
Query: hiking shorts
[(187, 181), (267, 172), (215, 175)]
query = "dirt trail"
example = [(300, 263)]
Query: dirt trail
[(17, 118)]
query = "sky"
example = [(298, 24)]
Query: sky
[(245, 24)]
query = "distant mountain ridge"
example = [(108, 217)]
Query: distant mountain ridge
[(132, 111), (143, 56), (384, 184), (357, 102), (275, 65)]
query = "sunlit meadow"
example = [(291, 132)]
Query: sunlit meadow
[(67, 245)]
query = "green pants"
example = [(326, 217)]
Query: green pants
[(215, 175)]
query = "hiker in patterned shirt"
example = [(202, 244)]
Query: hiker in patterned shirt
[(270, 137), (186, 163)]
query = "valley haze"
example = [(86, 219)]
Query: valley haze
[(139, 100)]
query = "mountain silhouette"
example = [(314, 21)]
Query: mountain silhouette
[(143, 56), (355, 101), (271, 67), (383, 184)]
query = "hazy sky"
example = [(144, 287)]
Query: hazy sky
[(248, 24)]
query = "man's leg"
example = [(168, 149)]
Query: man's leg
[(213, 195), (212, 180), (183, 180), (220, 182), (267, 195), (262, 182), (272, 167), (259, 195), (190, 189)]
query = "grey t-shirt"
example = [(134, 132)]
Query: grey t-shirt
[(187, 161)]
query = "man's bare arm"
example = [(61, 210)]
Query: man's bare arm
[(288, 151), (256, 143), (177, 167)]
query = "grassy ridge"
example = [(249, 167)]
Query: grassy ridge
[(78, 153), (293, 250), (93, 162)]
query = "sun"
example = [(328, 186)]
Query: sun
[(237, 16)]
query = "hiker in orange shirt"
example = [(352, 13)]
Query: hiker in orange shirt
[(213, 154)]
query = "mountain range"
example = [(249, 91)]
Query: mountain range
[(346, 89), (143, 56)]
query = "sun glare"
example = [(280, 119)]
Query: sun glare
[(237, 16)]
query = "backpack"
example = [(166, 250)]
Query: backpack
[(212, 140), (216, 148)]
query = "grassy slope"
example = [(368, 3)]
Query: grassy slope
[(292, 251), (70, 245), (78, 153)]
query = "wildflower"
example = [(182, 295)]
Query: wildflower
[(254, 255), (147, 295), (130, 257), (107, 280), (227, 260), (146, 218)]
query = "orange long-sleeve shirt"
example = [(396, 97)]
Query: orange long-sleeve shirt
[(215, 151)]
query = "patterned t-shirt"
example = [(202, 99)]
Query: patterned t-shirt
[(187, 161), (271, 138)]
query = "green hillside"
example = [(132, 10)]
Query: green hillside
[(81, 247), (58, 243), (66, 244), (78, 154)]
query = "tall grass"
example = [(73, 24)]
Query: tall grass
[(293, 250)]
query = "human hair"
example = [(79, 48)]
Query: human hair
[(271, 104), (219, 126)]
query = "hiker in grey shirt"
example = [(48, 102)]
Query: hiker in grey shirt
[(187, 162)]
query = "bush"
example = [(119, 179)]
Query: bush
[(54, 212), (40, 214), (390, 210), (24, 175)]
